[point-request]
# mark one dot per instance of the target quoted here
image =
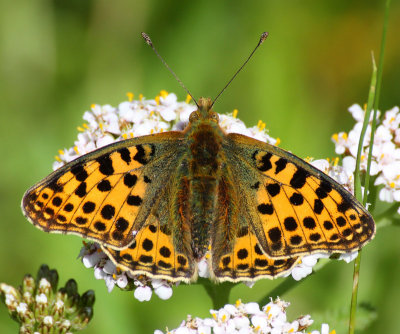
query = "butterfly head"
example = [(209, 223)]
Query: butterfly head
[(204, 112)]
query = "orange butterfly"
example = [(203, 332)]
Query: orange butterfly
[(157, 204)]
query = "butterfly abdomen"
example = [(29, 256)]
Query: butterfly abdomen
[(204, 169)]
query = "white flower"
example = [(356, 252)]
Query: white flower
[(161, 289), (143, 293), (110, 282), (392, 119), (41, 299), (90, 260), (304, 267), (122, 281), (204, 268), (325, 329), (59, 305), (109, 267), (48, 320), (22, 308), (348, 257), (234, 319), (66, 324), (44, 284)]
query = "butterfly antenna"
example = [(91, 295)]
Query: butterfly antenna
[(263, 37), (150, 43)]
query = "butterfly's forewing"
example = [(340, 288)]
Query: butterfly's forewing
[(236, 252), (107, 194), (294, 208)]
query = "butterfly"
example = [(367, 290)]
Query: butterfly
[(157, 204), (160, 203)]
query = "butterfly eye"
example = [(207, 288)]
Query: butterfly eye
[(213, 116), (194, 116)]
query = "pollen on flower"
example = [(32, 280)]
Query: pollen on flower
[(76, 149), (130, 96), (85, 126), (81, 129), (234, 113), (92, 106), (60, 152), (188, 98), (336, 161), (335, 137), (392, 185), (125, 136), (56, 157), (261, 125), (163, 93), (157, 99), (140, 97), (278, 141)]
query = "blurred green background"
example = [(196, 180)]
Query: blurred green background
[(57, 57)]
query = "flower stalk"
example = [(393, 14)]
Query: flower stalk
[(373, 102)]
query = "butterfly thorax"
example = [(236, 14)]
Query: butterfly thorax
[(205, 139)]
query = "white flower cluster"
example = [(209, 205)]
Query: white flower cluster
[(247, 318), (93, 257), (107, 124), (385, 152), (38, 307)]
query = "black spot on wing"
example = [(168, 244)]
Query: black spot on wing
[(125, 155), (106, 166), (280, 165), (299, 178), (79, 172)]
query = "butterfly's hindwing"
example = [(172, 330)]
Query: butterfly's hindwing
[(236, 252), (100, 196), (297, 208), (153, 253), (162, 247)]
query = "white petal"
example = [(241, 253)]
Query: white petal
[(163, 292), (110, 267), (252, 308), (143, 293), (122, 281), (325, 329)]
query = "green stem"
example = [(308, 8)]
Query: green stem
[(219, 293), (360, 197), (353, 307), (373, 101)]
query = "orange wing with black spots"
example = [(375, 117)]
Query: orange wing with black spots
[(105, 195), (153, 253), (293, 208), (245, 261), (236, 254)]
